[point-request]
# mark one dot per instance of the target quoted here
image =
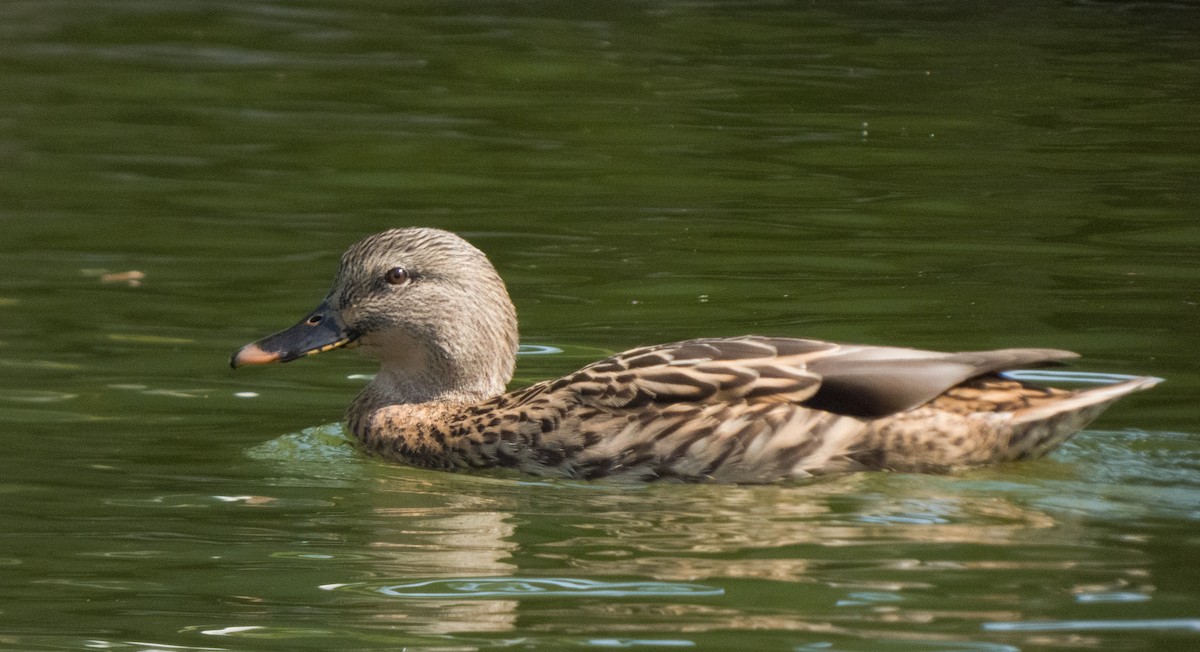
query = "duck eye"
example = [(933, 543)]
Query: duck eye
[(397, 276)]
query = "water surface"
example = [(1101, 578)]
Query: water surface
[(935, 174)]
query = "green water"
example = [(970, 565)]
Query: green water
[(934, 174)]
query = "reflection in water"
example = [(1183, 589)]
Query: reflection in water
[(635, 642), (865, 557), (756, 533), (537, 587), (1185, 624), (471, 543), (916, 645)]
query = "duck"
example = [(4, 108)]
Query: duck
[(433, 311)]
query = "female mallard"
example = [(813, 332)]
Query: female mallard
[(435, 313)]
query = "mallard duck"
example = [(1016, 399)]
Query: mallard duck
[(432, 310)]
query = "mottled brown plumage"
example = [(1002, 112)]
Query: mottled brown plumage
[(432, 309)]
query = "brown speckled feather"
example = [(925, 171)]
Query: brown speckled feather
[(746, 409)]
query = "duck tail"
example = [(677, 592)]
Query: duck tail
[(1039, 429), (1085, 400)]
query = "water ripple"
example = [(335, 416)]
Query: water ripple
[(639, 642), (326, 443), (538, 349), (928, 646), (1119, 596), (514, 587), (1190, 624), (1062, 376)]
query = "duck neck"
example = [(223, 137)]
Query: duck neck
[(424, 381), (395, 403)]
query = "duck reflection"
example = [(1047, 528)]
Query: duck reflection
[(463, 538), (473, 555)]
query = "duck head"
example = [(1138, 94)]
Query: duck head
[(425, 303)]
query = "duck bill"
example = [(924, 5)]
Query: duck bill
[(322, 330)]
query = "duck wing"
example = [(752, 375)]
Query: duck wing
[(746, 409), (852, 380), (702, 371), (873, 382)]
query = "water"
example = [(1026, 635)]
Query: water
[(936, 174)]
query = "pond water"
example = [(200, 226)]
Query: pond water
[(934, 174)]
